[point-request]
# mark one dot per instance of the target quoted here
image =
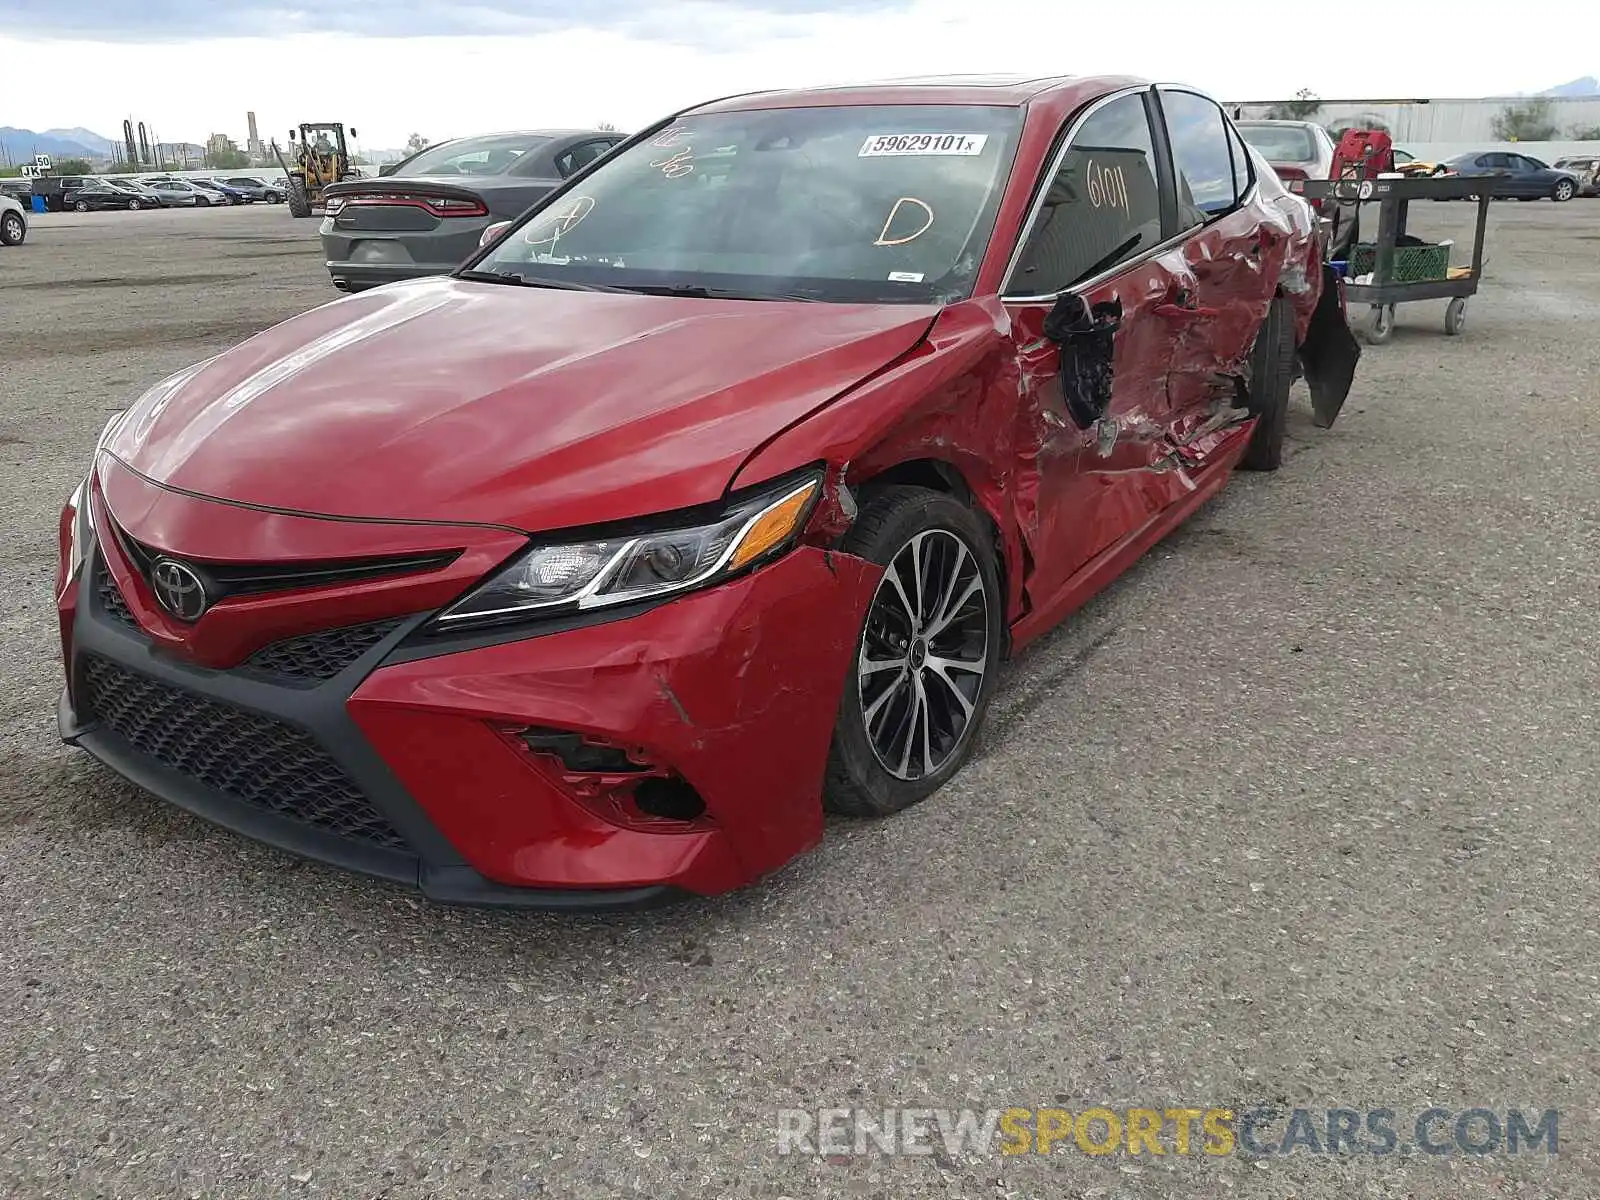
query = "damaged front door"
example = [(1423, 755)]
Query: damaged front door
[(1082, 294)]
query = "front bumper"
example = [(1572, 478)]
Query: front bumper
[(406, 765)]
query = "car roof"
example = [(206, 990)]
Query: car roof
[(1294, 124), (998, 90)]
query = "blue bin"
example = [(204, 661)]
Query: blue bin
[(38, 204)]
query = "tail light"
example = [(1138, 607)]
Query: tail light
[(1294, 178), (439, 206)]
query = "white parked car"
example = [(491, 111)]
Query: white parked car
[(13, 221)]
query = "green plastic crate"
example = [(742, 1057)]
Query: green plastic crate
[(1411, 264)]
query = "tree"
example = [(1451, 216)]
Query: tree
[(1585, 133), (1528, 122), (231, 159), (606, 127), (74, 166), (1303, 107), (415, 143)]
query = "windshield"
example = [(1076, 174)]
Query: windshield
[(868, 203), (474, 156), (1281, 143)]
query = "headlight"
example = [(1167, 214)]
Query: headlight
[(82, 523), (578, 576)]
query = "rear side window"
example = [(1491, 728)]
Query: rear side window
[(580, 156), (1243, 172), (1201, 156), (1101, 207)]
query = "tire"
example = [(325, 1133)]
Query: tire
[(299, 202), (80, 206), (1564, 191), (133, 205), (12, 229), (1271, 373), (273, 198), (875, 772), (1455, 316)]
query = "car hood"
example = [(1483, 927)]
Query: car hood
[(446, 400)]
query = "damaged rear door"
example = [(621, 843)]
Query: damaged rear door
[(1226, 253)]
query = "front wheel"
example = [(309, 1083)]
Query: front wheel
[(1564, 191), (926, 657), (12, 229), (81, 206), (1455, 316), (133, 206)]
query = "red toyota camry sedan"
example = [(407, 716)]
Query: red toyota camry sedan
[(703, 500)]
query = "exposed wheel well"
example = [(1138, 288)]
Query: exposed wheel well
[(930, 473), (939, 476)]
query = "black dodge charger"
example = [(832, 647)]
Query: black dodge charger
[(425, 215)]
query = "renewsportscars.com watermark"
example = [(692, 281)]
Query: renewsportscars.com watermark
[(1256, 1132)]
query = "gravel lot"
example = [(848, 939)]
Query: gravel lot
[(1301, 812)]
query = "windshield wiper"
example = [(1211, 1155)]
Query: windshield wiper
[(695, 291), (537, 281)]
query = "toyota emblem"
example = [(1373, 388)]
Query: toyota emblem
[(180, 591)]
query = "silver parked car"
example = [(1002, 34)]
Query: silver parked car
[(181, 193), (1587, 169), (13, 221), (426, 214)]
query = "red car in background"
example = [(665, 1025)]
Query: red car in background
[(706, 498)]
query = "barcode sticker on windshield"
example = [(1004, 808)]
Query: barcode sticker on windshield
[(881, 145)]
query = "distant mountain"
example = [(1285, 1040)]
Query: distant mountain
[(20, 145), (1587, 86), (102, 146)]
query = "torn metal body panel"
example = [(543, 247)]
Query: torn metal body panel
[(551, 583)]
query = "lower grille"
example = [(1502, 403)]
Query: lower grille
[(248, 757), (314, 657)]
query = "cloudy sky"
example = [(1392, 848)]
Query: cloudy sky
[(189, 68)]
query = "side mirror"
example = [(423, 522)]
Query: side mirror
[(491, 232), (291, 135), (1086, 338), (353, 132)]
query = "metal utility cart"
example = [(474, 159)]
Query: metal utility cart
[(1401, 273)]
